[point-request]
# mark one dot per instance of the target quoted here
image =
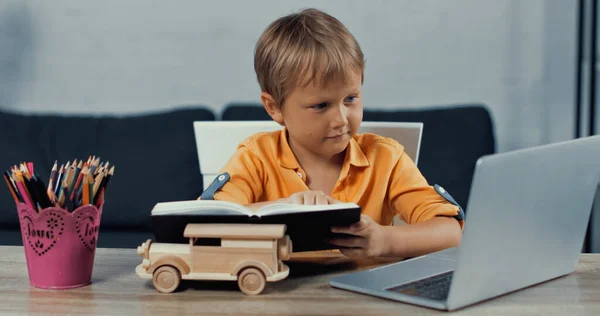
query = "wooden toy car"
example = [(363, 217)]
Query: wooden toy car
[(248, 253)]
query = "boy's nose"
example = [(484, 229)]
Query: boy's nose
[(339, 117)]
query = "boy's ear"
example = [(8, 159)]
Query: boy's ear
[(272, 107)]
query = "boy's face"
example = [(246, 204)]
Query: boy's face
[(321, 119)]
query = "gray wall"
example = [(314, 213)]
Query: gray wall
[(135, 56)]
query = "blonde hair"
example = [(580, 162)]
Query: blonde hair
[(302, 48)]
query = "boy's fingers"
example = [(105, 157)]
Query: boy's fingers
[(309, 198), (360, 225), (347, 230), (352, 252), (332, 200), (350, 242), (297, 199), (321, 199), (340, 229), (354, 229)]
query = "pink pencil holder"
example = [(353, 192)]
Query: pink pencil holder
[(59, 245)]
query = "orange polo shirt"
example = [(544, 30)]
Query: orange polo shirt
[(376, 174)]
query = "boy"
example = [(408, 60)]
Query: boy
[(310, 69)]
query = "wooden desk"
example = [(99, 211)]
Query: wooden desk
[(116, 290)]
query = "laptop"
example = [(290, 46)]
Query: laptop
[(217, 141), (526, 221)]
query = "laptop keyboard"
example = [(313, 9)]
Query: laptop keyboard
[(435, 287)]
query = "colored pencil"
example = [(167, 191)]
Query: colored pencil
[(86, 191), (59, 179), (11, 187), (72, 185)]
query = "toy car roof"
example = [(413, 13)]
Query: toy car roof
[(235, 231)]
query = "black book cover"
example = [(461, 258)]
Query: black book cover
[(307, 230)]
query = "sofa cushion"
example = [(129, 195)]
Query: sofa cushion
[(154, 155), (454, 137), (244, 112)]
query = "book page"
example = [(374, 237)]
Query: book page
[(287, 208), (200, 207)]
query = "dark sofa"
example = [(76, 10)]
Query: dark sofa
[(154, 155), (156, 160)]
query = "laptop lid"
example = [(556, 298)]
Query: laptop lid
[(526, 218), (217, 141)]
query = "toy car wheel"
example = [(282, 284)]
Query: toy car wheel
[(251, 281), (166, 279)]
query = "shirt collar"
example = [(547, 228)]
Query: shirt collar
[(287, 159), (354, 154)]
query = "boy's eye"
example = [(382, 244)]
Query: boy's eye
[(350, 99), (320, 106)]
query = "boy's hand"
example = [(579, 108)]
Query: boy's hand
[(311, 198), (368, 239)]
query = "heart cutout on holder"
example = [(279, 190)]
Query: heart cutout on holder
[(87, 223), (42, 231)]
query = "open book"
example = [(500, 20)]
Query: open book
[(307, 225), (214, 207)]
